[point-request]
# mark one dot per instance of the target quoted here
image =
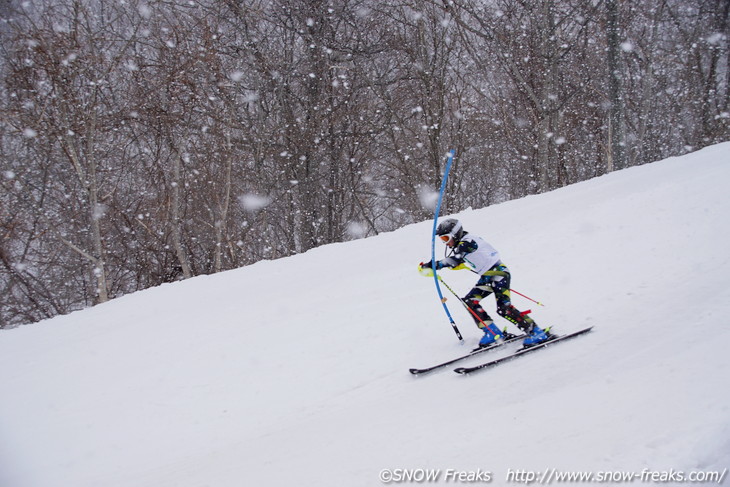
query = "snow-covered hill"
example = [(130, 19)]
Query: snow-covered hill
[(295, 372)]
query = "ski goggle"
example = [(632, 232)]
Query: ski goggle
[(446, 237)]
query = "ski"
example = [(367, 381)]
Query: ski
[(476, 351), (522, 351)]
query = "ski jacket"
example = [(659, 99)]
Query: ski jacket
[(473, 251)]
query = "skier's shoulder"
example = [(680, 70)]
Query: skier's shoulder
[(475, 242), (468, 243)]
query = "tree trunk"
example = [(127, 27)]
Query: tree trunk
[(616, 132)]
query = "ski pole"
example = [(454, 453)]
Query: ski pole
[(527, 297), (460, 300)]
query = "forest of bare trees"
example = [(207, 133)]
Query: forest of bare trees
[(143, 142)]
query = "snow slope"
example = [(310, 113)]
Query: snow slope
[(294, 372)]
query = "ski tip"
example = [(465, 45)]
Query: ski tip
[(461, 370)]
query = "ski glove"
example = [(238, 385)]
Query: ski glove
[(426, 269)]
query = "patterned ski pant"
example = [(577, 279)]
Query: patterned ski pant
[(496, 280)]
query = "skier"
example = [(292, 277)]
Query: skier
[(474, 253)]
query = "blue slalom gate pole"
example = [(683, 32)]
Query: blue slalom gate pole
[(433, 243)]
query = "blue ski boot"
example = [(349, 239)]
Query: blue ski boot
[(534, 336), (491, 335)]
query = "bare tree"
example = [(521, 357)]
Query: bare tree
[(143, 142)]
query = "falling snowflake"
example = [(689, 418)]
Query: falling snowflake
[(254, 202), (427, 197)]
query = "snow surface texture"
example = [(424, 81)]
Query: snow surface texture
[(294, 372)]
